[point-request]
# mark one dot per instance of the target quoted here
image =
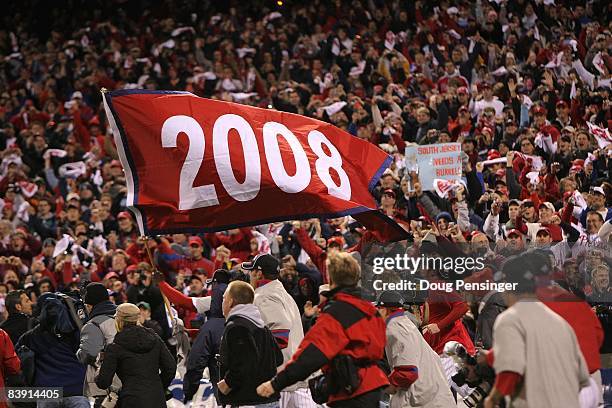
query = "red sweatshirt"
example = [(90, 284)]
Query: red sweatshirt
[(446, 310), (239, 244), (316, 254)]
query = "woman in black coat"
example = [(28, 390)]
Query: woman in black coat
[(140, 359)]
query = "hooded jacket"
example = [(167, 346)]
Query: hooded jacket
[(144, 365), (55, 361), (249, 356), (206, 346), (96, 334)]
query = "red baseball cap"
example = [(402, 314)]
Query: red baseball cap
[(111, 275), (539, 110), (576, 168), (475, 233), (562, 104), (514, 231), (124, 214), (543, 229), (195, 240), (336, 240), (493, 154), (484, 85)]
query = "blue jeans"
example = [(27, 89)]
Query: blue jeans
[(66, 402)]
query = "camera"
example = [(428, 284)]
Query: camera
[(476, 376), (93, 232)]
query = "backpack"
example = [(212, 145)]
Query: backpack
[(268, 354)]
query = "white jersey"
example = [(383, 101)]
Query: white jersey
[(282, 316), (535, 342), (407, 347)]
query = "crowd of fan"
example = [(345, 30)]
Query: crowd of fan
[(510, 79)]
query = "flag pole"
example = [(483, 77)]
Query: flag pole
[(166, 301)]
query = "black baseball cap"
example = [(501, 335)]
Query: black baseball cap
[(390, 298), (266, 262), (195, 277), (220, 276)]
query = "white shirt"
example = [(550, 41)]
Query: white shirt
[(535, 342), (406, 346), (481, 105)]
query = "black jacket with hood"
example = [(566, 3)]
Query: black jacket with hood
[(144, 365), (206, 346)]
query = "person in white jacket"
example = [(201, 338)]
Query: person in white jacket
[(417, 377), (282, 316)]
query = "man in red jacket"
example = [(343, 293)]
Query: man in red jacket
[(9, 362), (348, 327)]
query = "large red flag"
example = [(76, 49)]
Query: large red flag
[(195, 164)]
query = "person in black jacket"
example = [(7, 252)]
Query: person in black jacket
[(54, 343), (140, 359), (20, 320), (146, 321), (249, 354), (146, 291), (206, 346)]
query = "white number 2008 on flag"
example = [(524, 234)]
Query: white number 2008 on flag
[(191, 197)]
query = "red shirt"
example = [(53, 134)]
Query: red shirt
[(446, 310), (203, 263), (581, 317)]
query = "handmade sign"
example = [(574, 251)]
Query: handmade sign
[(437, 161)]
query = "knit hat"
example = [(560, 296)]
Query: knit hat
[(95, 293), (444, 215), (127, 312)]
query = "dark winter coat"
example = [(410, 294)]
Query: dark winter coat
[(249, 356), (137, 356), (55, 361), (16, 324), (206, 346)]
